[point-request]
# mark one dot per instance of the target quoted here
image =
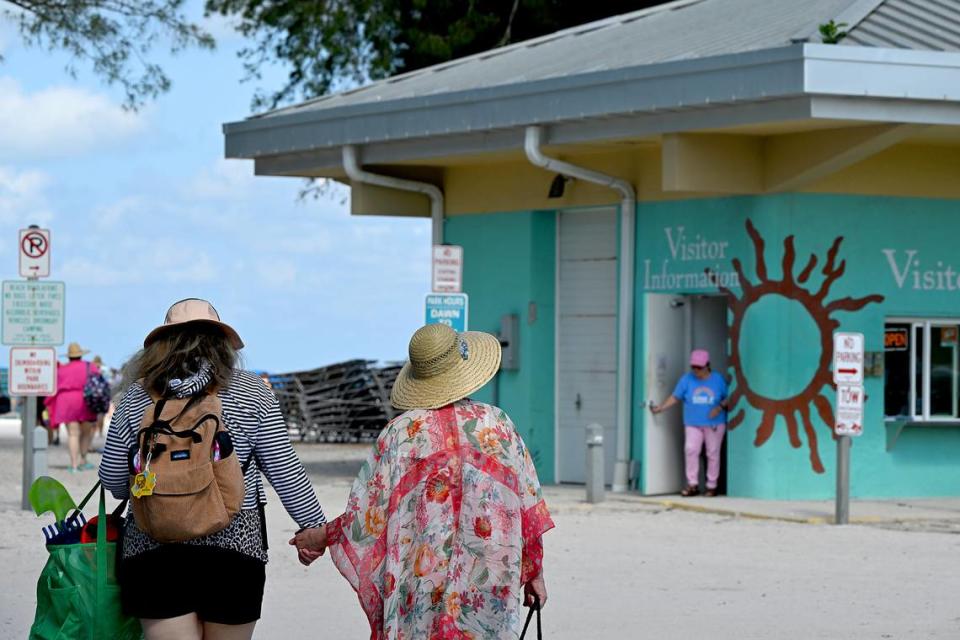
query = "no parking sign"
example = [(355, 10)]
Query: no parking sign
[(34, 253)]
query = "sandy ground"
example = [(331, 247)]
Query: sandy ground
[(626, 569)]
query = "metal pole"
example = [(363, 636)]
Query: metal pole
[(843, 480), (28, 418), (595, 471)]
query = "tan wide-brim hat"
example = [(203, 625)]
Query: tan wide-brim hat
[(193, 311), (74, 350), (445, 366)]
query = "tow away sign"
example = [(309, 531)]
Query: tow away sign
[(848, 358), (849, 410), (33, 371)]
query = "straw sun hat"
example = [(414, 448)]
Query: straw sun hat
[(193, 311), (445, 366), (74, 350)]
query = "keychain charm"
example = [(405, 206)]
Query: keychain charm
[(146, 480), (143, 484)]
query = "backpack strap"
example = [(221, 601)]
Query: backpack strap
[(165, 427)]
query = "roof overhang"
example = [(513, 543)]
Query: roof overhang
[(799, 82)]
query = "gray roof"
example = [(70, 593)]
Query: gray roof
[(681, 30), (906, 24), (686, 65)]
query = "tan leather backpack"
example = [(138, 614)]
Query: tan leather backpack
[(193, 495)]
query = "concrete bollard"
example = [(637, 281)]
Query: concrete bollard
[(595, 471), (39, 453)]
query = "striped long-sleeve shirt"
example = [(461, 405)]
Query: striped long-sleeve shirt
[(252, 414)]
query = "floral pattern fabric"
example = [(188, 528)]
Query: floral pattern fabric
[(443, 526)]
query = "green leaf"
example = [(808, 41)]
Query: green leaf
[(355, 530), (470, 425)]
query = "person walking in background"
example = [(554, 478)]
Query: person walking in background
[(704, 397), (443, 527), (206, 586), (67, 406)]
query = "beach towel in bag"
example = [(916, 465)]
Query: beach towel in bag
[(77, 595)]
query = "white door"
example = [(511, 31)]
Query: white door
[(586, 336), (664, 343)]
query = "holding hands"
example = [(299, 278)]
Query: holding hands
[(310, 543)]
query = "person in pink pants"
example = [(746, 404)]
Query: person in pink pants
[(704, 397)]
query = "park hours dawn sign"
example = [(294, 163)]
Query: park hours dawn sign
[(33, 312), (449, 309)]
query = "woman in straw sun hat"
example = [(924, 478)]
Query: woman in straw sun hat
[(67, 406), (442, 530), (210, 586)]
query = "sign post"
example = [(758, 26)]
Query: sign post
[(848, 376), (33, 325)]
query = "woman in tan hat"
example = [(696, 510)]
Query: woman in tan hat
[(67, 406), (442, 530), (208, 586)]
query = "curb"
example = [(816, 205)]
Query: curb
[(696, 508)]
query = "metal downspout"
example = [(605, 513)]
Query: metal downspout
[(628, 204), (352, 166)]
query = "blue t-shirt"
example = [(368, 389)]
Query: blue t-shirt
[(699, 397)]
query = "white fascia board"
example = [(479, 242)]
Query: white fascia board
[(900, 74), (743, 77)]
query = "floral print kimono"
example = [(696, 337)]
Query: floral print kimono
[(443, 526)]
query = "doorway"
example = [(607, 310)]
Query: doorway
[(673, 325)]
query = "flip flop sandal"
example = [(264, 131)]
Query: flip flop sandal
[(710, 493), (689, 491)]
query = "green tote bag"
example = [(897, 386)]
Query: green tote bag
[(77, 595)]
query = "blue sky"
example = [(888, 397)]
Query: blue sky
[(144, 211)]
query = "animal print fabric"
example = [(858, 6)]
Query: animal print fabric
[(244, 534)]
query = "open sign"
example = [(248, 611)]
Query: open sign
[(896, 339)]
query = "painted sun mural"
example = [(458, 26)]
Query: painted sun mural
[(799, 407)]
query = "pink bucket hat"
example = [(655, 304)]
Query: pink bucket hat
[(699, 358)]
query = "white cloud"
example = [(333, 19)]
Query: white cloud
[(277, 273), (23, 199), (225, 180), (59, 121)]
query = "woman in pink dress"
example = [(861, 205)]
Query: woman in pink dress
[(441, 538), (68, 407)]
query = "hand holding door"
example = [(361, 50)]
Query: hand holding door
[(669, 402)]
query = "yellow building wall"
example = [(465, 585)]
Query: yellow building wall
[(911, 170)]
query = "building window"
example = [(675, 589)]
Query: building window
[(922, 369)]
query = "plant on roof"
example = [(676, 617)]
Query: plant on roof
[(832, 32)]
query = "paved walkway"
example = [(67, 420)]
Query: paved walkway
[(931, 514), (630, 567)]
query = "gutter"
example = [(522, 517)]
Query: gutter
[(533, 140), (351, 166)]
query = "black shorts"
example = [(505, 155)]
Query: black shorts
[(220, 586)]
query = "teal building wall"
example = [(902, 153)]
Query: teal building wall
[(509, 268), (891, 260)]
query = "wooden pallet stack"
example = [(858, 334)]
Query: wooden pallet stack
[(344, 402)]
